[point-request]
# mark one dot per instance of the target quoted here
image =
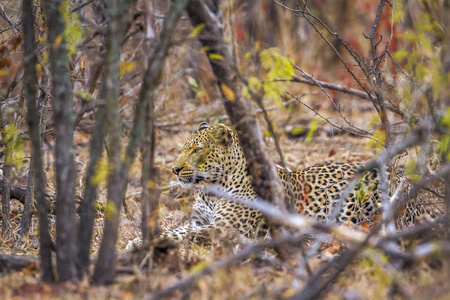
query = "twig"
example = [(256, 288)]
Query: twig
[(4, 30), (315, 285), (305, 13), (327, 119), (424, 88), (328, 85), (297, 221), (379, 103), (189, 280), (80, 6), (375, 69), (340, 88), (8, 20), (332, 101), (221, 117)]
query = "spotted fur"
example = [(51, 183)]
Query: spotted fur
[(214, 156)]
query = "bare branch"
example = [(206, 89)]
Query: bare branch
[(8, 20), (375, 72), (189, 280), (16, 262), (338, 109), (221, 117), (360, 132), (31, 83), (305, 13), (340, 88), (80, 6)]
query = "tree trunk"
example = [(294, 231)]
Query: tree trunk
[(45, 255), (150, 180), (150, 176), (88, 212), (265, 178), (63, 126), (6, 180), (27, 205), (105, 269), (28, 201), (6, 196)]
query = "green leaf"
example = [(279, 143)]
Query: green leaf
[(101, 172), (410, 170), (254, 84), (446, 118), (277, 66), (378, 139), (13, 145), (215, 56), (199, 267), (245, 92), (110, 210), (73, 32), (126, 67), (297, 130), (312, 130), (192, 82), (196, 31), (399, 55), (85, 95)]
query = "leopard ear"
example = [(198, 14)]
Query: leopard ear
[(221, 134), (202, 126)]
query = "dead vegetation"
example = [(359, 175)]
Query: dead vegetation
[(311, 127)]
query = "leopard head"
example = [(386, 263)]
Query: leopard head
[(212, 155)]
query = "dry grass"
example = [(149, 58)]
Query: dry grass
[(370, 276)]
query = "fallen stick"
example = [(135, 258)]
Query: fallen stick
[(16, 262)]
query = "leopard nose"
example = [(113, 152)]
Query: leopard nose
[(176, 170)]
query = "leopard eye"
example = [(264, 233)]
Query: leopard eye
[(196, 150)]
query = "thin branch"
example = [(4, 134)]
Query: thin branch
[(305, 13), (376, 73), (361, 133), (425, 91), (332, 101), (221, 117), (80, 6), (316, 284), (328, 85), (340, 88), (189, 280), (379, 104), (8, 20)]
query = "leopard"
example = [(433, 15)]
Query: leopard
[(214, 156)]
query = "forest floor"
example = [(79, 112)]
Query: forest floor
[(371, 275)]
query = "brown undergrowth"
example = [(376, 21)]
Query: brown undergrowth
[(306, 139), (370, 275)]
